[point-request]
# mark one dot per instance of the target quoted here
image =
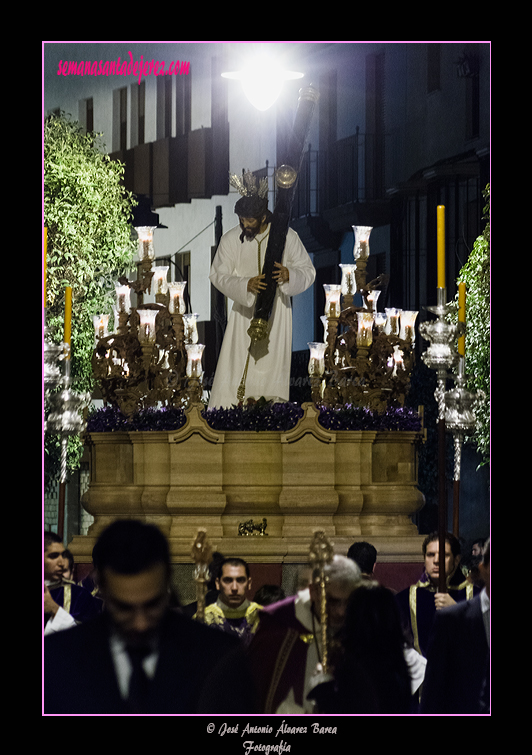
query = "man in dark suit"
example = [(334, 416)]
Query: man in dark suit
[(140, 656), (457, 674)]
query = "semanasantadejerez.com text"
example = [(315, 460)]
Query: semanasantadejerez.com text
[(120, 67)]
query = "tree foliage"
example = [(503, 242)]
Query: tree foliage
[(87, 212), (476, 276)]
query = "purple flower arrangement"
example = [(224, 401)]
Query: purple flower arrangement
[(110, 419), (256, 417), (351, 417)]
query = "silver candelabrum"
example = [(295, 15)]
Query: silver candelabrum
[(441, 355), (65, 405), (456, 406)]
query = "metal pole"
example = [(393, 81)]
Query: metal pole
[(442, 505)]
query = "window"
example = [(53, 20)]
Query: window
[(86, 114), (433, 67), (141, 113), (123, 119), (164, 107)]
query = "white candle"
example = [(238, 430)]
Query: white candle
[(348, 279), (123, 298), (147, 324), (365, 328), (145, 249), (362, 234), (194, 354), (176, 304), (408, 320), (316, 365), (333, 293)]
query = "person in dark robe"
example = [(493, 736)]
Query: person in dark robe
[(369, 671), (139, 656), (233, 612), (287, 647), (65, 603), (420, 602), (457, 679)]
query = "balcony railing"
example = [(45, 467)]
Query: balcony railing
[(351, 171)]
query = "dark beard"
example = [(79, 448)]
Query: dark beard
[(247, 234)]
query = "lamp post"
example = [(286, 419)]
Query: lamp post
[(262, 80)]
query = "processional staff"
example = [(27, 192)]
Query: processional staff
[(441, 356), (321, 554), (202, 556)]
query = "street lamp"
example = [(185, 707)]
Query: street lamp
[(262, 81)]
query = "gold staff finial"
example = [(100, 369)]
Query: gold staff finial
[(202, 555), (321, 554)]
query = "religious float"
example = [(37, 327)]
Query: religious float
[(261, 480)]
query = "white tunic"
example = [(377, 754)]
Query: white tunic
[(269, 364)]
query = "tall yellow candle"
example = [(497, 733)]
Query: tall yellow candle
[(441, 245), (45, 251), (461, 315), (68, 316)]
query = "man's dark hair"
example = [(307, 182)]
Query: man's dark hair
[(268, 594), (364, 554), (232, 561), (251, 207), (51, 537), (70, 558), (129, 546)]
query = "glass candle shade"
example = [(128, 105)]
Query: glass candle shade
[(147, 325), (392, 323), (191, 330), (348, 283), (316, 365), (372, 298), (159, 282), (408, 321), (325, 324), (123, 299), (101, 326), (176, 304), (380, 319), (361, 248), (194, 354), (365, 328), (145, 248), (333, 293)]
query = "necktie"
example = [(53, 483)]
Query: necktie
[(138, 682)]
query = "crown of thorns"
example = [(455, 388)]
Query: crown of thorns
[(247, 185)]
